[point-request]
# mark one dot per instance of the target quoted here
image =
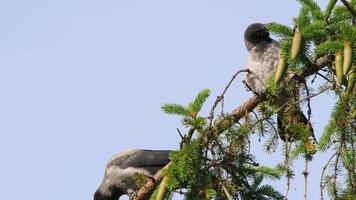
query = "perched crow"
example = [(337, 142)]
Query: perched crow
[(263, 56), (262, 63), (119, 177)]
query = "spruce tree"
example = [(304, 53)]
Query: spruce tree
[(215, 162)]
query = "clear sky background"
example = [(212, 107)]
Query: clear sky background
[(81, 80)]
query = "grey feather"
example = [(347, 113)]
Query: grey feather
[(119, 177), (141, 158), (262, 63)]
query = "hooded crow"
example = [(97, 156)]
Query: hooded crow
[(262, 63), (119, 177)]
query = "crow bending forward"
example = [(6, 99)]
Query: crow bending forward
[(119, 177)]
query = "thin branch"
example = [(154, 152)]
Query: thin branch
[(274, 128), (146, 190), (274, 140), (186, 138), (353, 166), (309, 112), (322, 176), (288, 147), (347, 167), (261, 125), (222, 106), (338, 153), (306, 173), (324, 77), (221, 96), (180, 134), (249, 88)]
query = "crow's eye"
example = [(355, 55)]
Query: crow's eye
[(257, 35), (260, 33)]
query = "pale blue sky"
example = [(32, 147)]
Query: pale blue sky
[(82, 80)]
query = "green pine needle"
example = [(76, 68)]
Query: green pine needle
[(270, 192), (198, 122), (316, 12), (314, 30), (297, 151), (175, 109), (303, 19), (280, 30), (341, 14), (329, 8), (329, 47), (349, 33), (269, 172), (196, 105)]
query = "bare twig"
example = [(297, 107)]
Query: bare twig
[(249, 88), (324, 77), (221, 96), (222, 106), (261, 124), (309, 112), (353, 157), (186, 138), (322, 176), (338, 153), (347, 167), (288, 147), (180, 134), (306, 173), (274, 141)]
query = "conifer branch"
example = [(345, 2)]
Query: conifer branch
[(224, 123)]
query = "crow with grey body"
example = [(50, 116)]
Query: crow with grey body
[(262, 63), (119, 177)]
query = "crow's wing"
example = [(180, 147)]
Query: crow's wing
[(150, 160), (299, 117)]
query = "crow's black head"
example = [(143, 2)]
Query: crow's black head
[(99, 196), (256, 33), (115, 193)]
